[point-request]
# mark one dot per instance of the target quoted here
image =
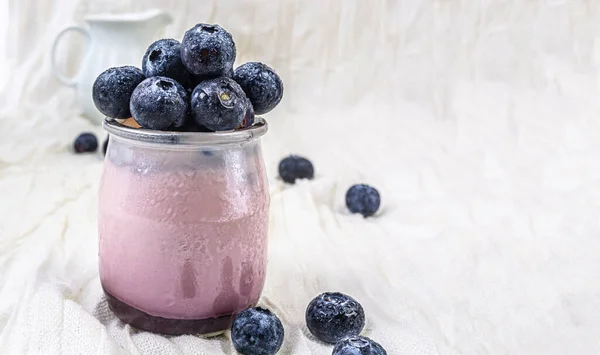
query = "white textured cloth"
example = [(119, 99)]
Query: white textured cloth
[(477, 121)]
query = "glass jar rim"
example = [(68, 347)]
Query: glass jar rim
[(113, 127)]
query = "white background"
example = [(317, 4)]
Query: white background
[(477, 120)]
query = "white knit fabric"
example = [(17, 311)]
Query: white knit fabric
[(477, 121)]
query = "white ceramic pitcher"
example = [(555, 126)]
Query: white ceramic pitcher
[(111, 40)]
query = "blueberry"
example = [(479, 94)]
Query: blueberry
[(85, 143), (333, 316), (358, 345), (257, 331), (208, 50), (113, 88), (363, 199), (159, 103), (163, 58), (219, 104), (295, 167), (105, 146), (261, 84)]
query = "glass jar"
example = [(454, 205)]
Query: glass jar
[(183, 224)]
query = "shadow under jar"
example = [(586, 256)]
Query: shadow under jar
[(183, 224)]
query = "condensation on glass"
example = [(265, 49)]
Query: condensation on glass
[(183, 224)]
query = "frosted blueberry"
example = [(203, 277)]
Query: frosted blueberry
[(358, 345), (159, 103), (85, 143), (333, 316), (208, 50), (219, 104), (261, 84), (112, 90), (257, 331), (163, 58), (363, 199), (295, 167)]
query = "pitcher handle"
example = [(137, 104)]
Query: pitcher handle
[(55, 70)]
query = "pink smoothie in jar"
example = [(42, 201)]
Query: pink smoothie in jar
[(183, 225)]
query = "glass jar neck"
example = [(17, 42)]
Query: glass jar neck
[(183, 139)]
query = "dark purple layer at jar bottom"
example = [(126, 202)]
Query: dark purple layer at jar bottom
[(143, 321)]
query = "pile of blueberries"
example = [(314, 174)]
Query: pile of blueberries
[(331, 317), (189, 85)]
